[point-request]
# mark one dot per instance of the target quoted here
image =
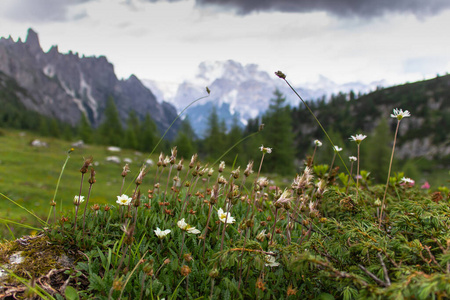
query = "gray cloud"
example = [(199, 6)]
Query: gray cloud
[(340, 8), (43, 10)]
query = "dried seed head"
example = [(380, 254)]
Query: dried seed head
[(86, 164), (126, 170), (180, 165), (141, 175), (280, 74), (249, 169), (193, 160), (185, 270), (92, 179)]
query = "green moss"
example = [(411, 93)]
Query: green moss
[(39, 256)]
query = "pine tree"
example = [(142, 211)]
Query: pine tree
[(110, 132), (214, 142), (233, 136), (377, 152), (133, 128), (148, 134), (84, 130), (278, 135), (185, 140)]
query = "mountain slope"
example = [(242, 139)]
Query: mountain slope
[(65, 86), (241, 91)]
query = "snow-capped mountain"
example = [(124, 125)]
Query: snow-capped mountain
[(242, 91)]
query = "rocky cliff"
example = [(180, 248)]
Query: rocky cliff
[(65, 86)]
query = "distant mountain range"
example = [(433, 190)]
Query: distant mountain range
[(65, 86), (241, 91)]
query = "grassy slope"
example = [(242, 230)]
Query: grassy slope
[(28, 175)]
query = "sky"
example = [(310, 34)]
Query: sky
[(165, 40)]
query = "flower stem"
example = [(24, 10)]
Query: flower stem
[(389, 173)]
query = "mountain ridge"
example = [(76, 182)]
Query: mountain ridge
[(241, 91), (64, 86)]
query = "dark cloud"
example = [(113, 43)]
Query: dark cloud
[(43, 10), (341, 8)]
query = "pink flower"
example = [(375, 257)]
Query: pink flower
[(426, 185)]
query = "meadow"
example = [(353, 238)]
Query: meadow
[(187, 229)]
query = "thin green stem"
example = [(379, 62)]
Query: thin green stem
[(389, 174), (318, 122)]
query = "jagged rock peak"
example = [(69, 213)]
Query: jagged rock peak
[(32, 41)]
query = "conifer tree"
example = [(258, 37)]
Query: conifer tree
[(185, 140), (377, 151), (85, 131), (214, 142), (233, 136), (278, 135), (148, 134), (132, 131), (110, 131)]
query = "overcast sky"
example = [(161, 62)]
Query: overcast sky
[(165, 40)]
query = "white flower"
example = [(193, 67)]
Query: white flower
[(352, 158), (270, 261), (318, 143), (265, 149), (161, 233), (223, 215), (337, 149), (123, 200), (77, 200), (406, 180), (182, 224), (185, 226), (400, 114), (357, 138), (192, 230)]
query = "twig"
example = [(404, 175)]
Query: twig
[(386, 275), (371, 275)]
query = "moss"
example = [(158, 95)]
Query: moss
[(39, 256)]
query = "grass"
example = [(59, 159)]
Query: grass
[(29, 175)]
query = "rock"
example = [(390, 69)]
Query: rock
[(78, 144), (39, 144), (114, 159), (113, 149)]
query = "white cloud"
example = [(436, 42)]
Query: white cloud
[(167, 40)]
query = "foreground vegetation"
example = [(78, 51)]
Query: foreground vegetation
[(184, 229), (315, 239)]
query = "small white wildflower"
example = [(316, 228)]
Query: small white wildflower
[(185, 226), (318, 143), (337, 149), (223, 215), (357, 138), (77, 200), (400, 114), (352, 158), (265, 149), (161, 233), (407, 180), (123, 200)]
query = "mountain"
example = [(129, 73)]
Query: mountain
[(241, 91), (64, 86)]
